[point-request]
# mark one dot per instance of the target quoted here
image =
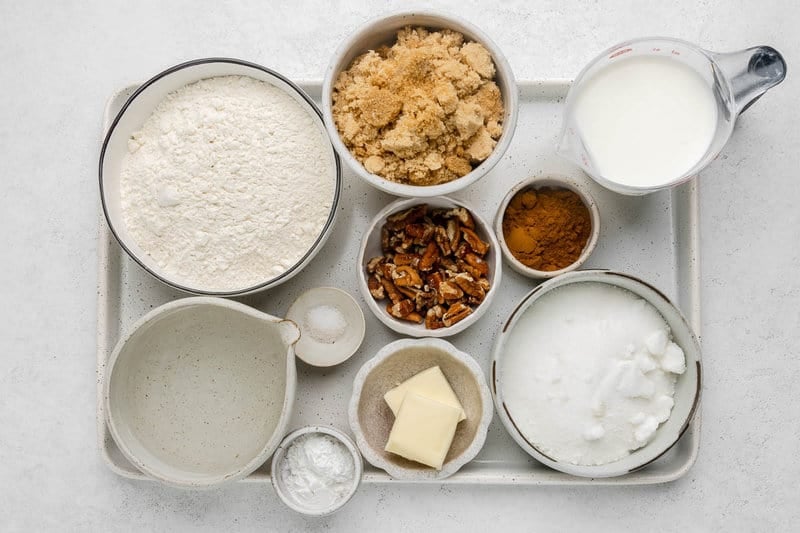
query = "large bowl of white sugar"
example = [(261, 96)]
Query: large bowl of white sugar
[(218, 178), (596, 374)]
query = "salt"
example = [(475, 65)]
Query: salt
[(325, 323)]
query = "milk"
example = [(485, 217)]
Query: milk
[(645, 120)]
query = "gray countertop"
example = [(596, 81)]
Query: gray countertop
[(61, 62)]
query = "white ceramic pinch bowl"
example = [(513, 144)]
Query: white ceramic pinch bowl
[(140, 107), (371, 419), (371, 247), (286, 495), (687, 385), (549, 181), (200, 391), (383, 31), (322, 352)]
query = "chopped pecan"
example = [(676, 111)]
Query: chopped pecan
[(391, 291), (453, 232), (429, 257), (478, 263), (449, 290), (462, 250), (468, 284), (469, 269), (424, 299), (460, 214), (485, 284), (400, 220), (406, 276), (387, 269), (404, 310), (440, 236), (475, 242), (376, 288), (374, 264), (421, 233), (406, 259), (456, 313), (433, 318)]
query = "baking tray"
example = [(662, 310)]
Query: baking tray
[(654, 237)]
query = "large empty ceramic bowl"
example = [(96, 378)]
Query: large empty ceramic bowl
[(199, 393), (371, 419)]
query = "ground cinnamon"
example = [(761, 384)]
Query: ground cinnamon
[(546, 229)]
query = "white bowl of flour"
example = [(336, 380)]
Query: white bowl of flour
[(217, 177), (596, 374)]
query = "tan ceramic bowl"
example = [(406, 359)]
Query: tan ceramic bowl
[(384, 31), (371, 419), (559, 182)]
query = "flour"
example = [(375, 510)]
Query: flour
[(228, 183)]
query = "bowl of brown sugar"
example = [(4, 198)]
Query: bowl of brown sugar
[(547, 225), (420, 104)]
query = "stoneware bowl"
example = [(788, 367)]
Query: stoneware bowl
[(371, 419), (371, 247), (286, 495), (383, 31), (687, 386), (324, 354), (538, 182), (200, 391), (138, 109)]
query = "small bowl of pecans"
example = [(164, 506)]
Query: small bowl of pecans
[(429, 268)]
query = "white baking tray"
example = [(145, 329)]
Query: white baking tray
[(654, 237)]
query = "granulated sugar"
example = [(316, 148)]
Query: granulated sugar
[(228, 183)]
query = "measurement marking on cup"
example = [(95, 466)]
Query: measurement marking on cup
[(620, 52)]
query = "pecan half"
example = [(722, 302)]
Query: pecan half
[(475, 242), (456, 313), (429, 257), (406, 276), (400, 220), (376, 289), (404, 310)]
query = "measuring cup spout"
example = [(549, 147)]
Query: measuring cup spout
[(751, 73)]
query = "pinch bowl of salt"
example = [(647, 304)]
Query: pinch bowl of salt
[(331, 326), (316, 470)]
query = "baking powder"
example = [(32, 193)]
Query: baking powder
[(318, 470), (228, 183)]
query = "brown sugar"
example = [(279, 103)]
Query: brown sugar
[(546, 229), (422, 112)]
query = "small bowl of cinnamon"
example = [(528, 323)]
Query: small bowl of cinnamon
[(547, 226)]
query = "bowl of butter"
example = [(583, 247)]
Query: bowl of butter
[(420, 409)]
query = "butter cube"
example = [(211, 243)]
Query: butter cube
[(423, 430), (430, 383)]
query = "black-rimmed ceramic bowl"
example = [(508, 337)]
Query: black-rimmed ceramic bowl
[(687, 385), (139, 108)]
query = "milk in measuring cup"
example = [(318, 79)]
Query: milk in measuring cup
[(646, 120)]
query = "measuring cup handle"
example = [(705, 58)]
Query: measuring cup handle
[(751, 73)]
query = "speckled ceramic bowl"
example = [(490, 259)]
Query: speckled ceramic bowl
[(687, 385), (371, 247), (557, 182), (200, 391), (384, 31), (371, 419)]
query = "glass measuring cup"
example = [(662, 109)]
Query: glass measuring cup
[(737, 79)]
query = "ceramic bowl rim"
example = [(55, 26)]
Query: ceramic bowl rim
[(146, 321), (161, 276), (400, 473), (419, 330), (399, 19)]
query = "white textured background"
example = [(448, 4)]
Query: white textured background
[(59, 62)]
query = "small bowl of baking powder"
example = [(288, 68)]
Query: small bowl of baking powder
[(316, 470)]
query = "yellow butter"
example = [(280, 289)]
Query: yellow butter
[(429, 383), (423, 430)]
